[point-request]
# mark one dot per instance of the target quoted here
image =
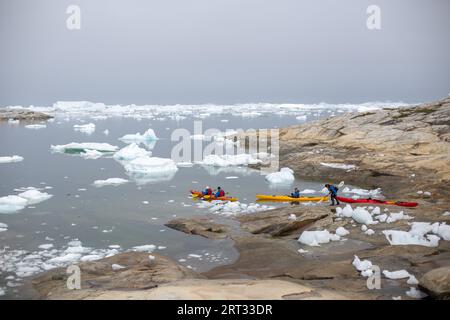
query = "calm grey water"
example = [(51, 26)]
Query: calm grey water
[(73, 214)]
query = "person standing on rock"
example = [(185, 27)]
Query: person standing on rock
[(333, 193)]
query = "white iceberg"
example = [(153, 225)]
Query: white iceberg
[(11, 159), (34, 196), (85, 128), (75, 147), (138, 138), (12, 204), (151, 169), (3, 227), (35, 126), (131, 152), (284, 176), (110, 182), (91, 154)]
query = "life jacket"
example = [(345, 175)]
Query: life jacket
[(208, 191), (220, 193)]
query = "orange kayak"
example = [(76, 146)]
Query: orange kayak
[(199, 195)]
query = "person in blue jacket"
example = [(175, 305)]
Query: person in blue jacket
[(207, 191), (296, 193), (220, 192), (333, 193)]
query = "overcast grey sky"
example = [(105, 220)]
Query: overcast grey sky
[(223, 51)]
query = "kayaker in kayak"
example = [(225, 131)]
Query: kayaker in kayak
[(219, 193), (207, 191), (296, 193), (333, 193)]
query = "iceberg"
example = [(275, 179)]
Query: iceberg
[(91, 154), (131, 152), (11, 159), (35, 126), (85, 128), (138, 138), (12, 204), (110, 182), (75, 147), (3, 227), (147, 169), (284, 176), (34, 196)]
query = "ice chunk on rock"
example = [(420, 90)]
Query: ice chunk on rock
[(342, 232), (339, 166), (110, 182), (284, 176), (11, 159), (399, 274), (397, 237), (315, 238)]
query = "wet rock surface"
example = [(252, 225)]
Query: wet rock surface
[(201, 226), (437, 283)]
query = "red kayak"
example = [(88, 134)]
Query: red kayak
[(375, 201)]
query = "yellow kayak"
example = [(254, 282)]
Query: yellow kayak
[(266, 197)]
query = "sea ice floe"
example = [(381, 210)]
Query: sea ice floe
[(226, 160), (35, 126), (91, 154), (315, 238), (138, 138), (85, 128), (15, 203), (11, 159), (3, 227), (145, 248), (151, 169), (284, 176), (110, 182), (339, 166), (185, 164), (34, 196), (131, 152), (75, 147)]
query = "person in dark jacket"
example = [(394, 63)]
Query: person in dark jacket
[(296, 193), (333, 193)]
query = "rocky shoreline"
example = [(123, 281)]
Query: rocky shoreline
[(405, 152), (22, 115)]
